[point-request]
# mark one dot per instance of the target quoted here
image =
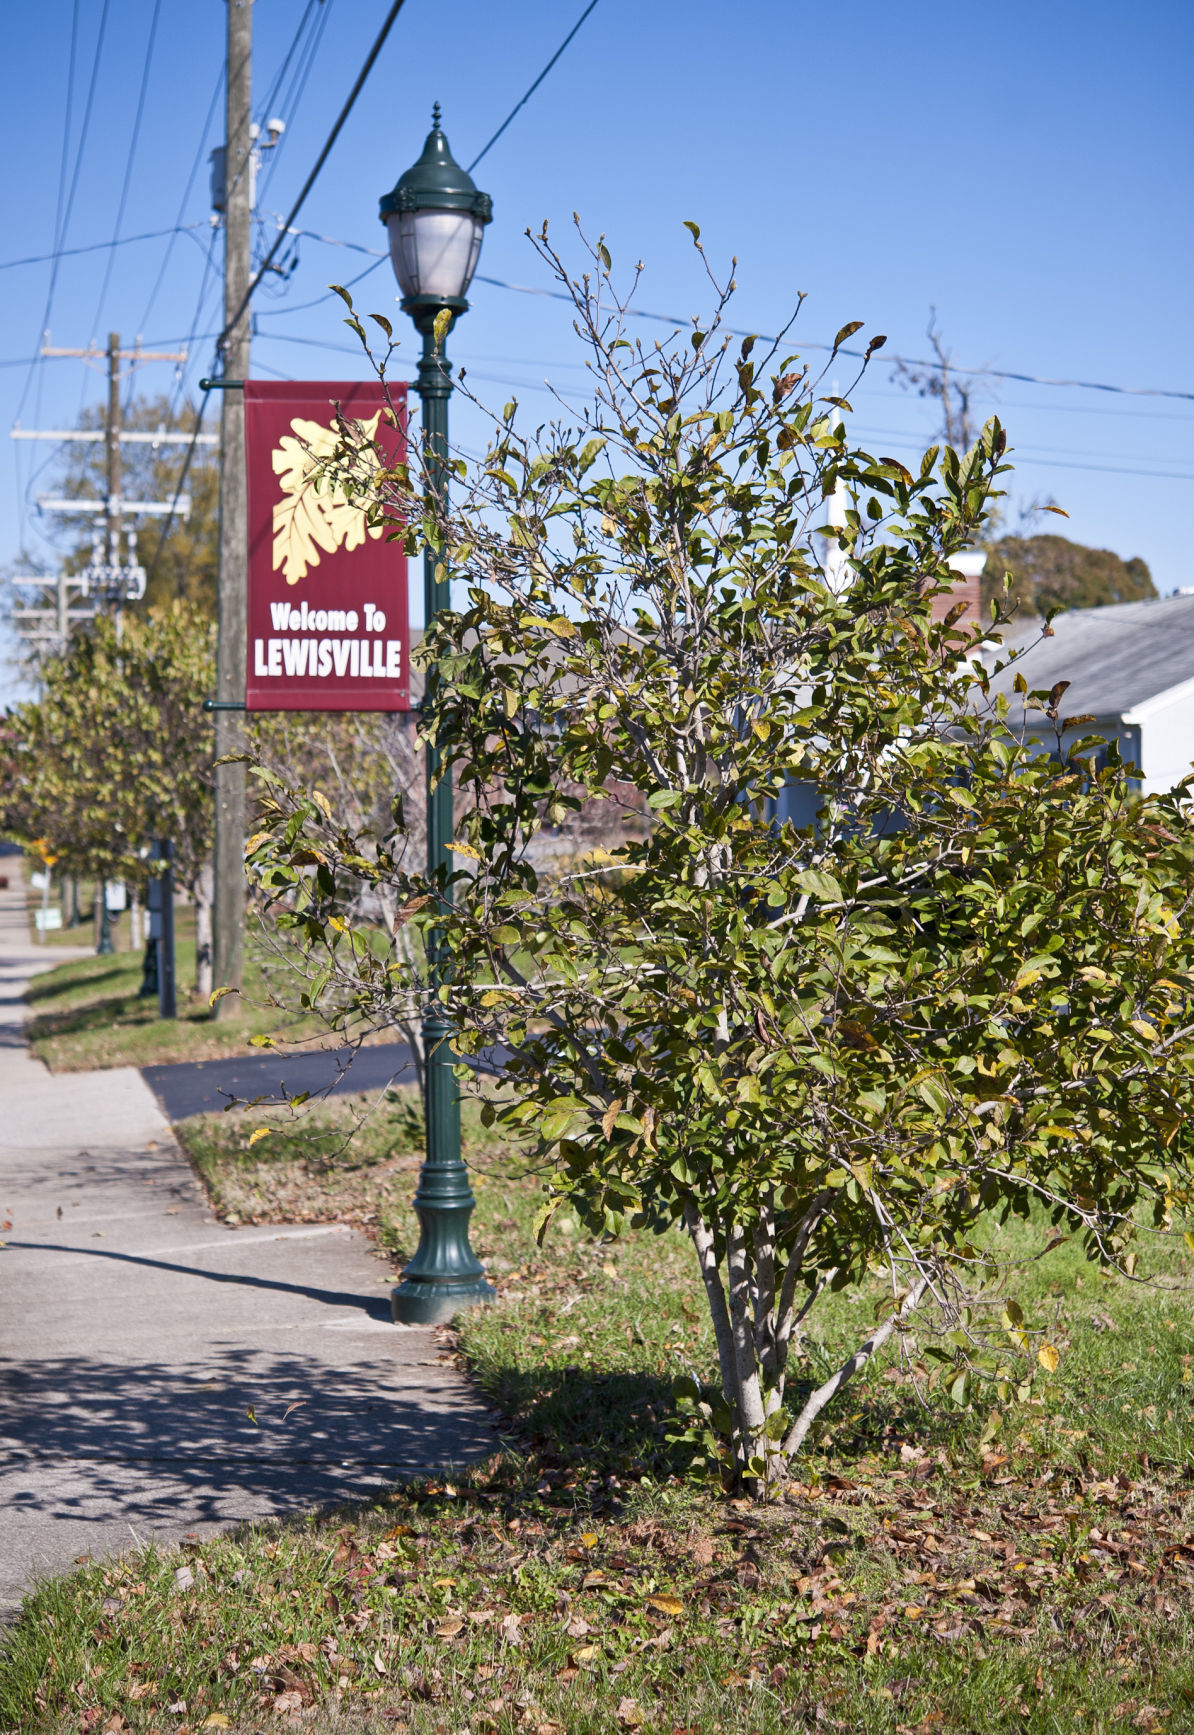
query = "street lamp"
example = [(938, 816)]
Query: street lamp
[(435, 217)]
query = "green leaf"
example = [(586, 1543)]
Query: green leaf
[(820, 884)]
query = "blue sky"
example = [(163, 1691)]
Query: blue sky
[(1022, 168)]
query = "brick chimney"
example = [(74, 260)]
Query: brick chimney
[(969, 570)]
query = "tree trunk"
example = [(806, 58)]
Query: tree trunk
[(202, 892), (134, 921)]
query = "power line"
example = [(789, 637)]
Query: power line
[(270, 104), (182, 203), (97, 246), (132, 157), (302, 306), (292, 101), (859, 354), (60, 237), (522, 102), (168, 520), (322, 158), (194, 336)]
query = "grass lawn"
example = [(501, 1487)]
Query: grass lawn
[(87, 1012), (913, 1582)]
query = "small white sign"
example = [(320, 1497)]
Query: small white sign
[(51, 918), (115, 896), (39, 880)]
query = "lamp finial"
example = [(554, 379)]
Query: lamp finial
[(435, 114)]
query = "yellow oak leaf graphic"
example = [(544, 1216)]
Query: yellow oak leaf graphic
[(314, 512)]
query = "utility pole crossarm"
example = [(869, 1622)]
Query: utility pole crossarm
[(127, 436), (133, 355)]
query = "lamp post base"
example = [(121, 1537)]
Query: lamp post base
[(418, 1302)]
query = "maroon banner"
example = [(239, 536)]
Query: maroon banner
[(328, 617)]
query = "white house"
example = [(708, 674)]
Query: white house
[(1131, 666)]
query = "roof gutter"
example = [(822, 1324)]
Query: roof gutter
[(1149, 707)]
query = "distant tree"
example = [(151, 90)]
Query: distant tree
[(186, 568), (1050, 572), (952, 391), (117, 751)]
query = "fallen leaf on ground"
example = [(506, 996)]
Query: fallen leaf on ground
[(666, 1605), (630, 1714)]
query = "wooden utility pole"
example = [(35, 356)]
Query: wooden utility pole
[(112, 439), (229, 910)]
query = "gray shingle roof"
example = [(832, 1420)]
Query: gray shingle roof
[(1114, 658)]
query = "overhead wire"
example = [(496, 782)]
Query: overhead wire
[(270, 102), (673, 319), (858, 354), (311, 179), (183, 202), (138, 116), (67, 113), (70, 200), (230, 324), (292, 100), (524, 99), (97, 246)]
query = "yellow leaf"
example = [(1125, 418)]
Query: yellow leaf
[(256, 841), (217, 1720), (1052, 1132), (443, 1584), (586, 1654), (1048, 1358), (666, 1605), (589, 1539), (1143, 1028), (219, 994), (259, 1133), (459, 848), (442, 325), (1025, 980), (314, 511)]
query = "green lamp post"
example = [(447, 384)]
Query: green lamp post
[(435, 217)]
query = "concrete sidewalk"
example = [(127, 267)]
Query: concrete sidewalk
[(160, 1373)]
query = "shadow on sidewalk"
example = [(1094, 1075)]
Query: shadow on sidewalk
[(373, 1308), (99, 1440)]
